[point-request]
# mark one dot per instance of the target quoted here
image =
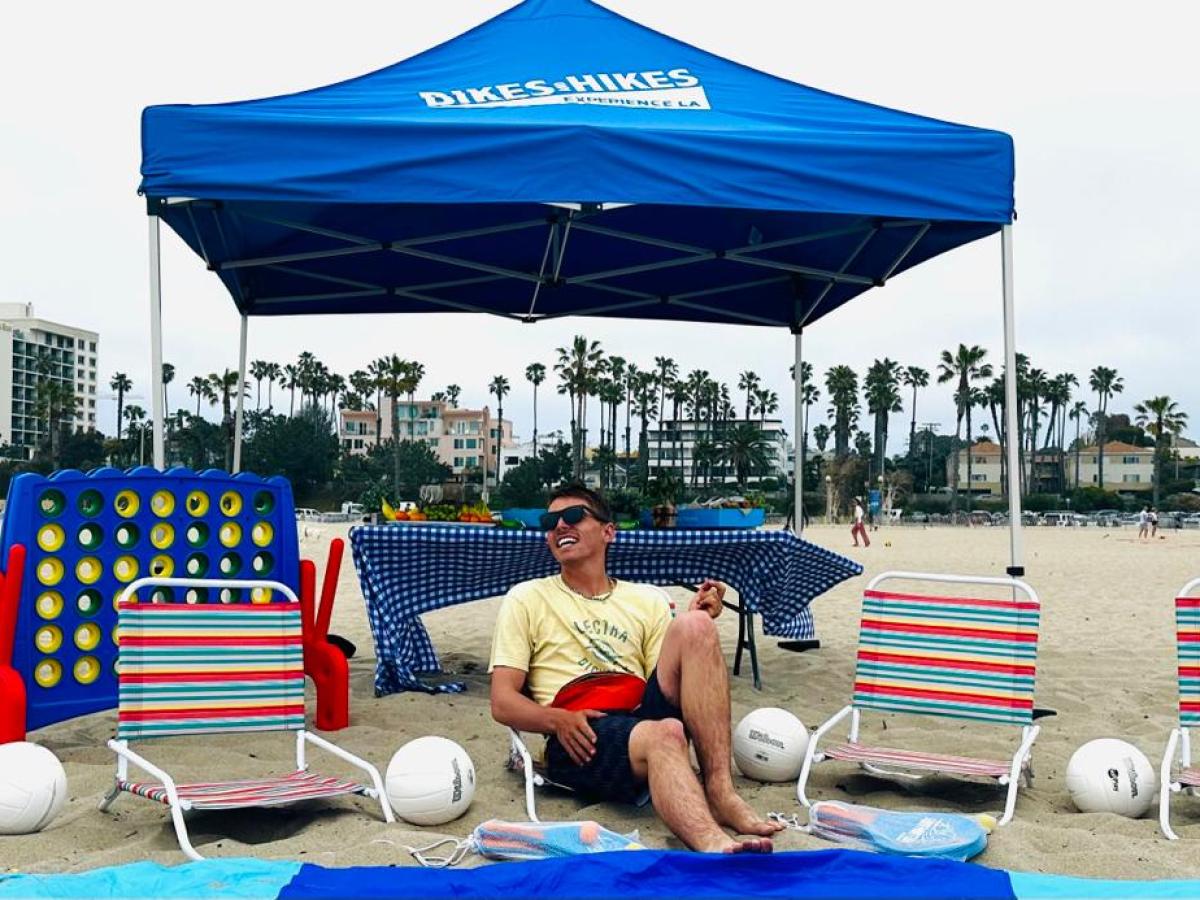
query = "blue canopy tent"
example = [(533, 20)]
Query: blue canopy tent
[(562, 160)]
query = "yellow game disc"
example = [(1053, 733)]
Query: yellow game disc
[(50, 571), (197, 503), (230, 534), (162, 566), (47, 673), (196, 565), (88, 570), (231, 503), (262, 533), (86, 669), (87, 636), (162, 503), (133, 598), (230, 564), (116, 639), (127, 503), (260, 595), (127, 535), (51, 538), (90, 536), (88, 602), (162, 536), (51, 503), (90, 503), (49, 605), (48, 639), (125, 569)]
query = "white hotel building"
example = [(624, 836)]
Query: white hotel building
[(31, 350), (671, 445)]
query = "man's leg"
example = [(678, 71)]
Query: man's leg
[(692, 674), (658, 754)]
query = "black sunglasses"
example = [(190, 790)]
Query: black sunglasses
[(572, 515)]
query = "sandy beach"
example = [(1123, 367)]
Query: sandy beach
[(1106, 665)]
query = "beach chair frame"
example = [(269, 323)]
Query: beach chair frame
[(1186, 779), (1018, 768), (168, 790)]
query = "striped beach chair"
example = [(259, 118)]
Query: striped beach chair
[(954, 657), (1187, 640), (211, 669)]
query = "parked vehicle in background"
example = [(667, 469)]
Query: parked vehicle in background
[(918, 517), (1109, 518), (1191, 521), (306, 514), (1060, 518)]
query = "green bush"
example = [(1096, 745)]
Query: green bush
[(1090, 499), (1187, 502), (1042, 502)]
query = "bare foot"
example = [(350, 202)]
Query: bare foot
[(735, 813), (726, 844)]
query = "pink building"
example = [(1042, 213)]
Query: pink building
[(463, 439)]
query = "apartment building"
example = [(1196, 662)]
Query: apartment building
[(463, 439), (1127, 468), (35, 351), (671, 447)]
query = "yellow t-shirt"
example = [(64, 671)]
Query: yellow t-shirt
[(555, 635)]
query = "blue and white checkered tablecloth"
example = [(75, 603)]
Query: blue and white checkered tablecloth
[(407, 570)]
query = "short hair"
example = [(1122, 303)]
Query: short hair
[(594, 499)]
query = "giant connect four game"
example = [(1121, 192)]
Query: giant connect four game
[(88, 536)]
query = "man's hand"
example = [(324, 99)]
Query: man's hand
[(576, 735), (709, 598)]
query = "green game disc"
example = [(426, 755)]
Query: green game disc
[(52, 503), (90, 535), (90, 503), (127, 535), (230, 565), (197, 534), (263, 563), (263, 503), (196, 565), (89, 602)]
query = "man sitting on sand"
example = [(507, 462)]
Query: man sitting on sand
[(553, 631)]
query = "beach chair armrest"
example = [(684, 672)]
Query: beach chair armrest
[(345, 755), (811, 755), (121, 748), (829, 723)]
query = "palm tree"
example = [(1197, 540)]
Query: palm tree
[(291, 381), (667, 371), (1162, 417), (274, 373), (391, 382), (378, 370), (914, 377), (223, 386), (633, 378), (499, 387), (578, 367), (1035, 386), (965, 365), (1105, 382), (168, 375), (881, 387), (821, 435), (56, 401), (749, 382), (415, 371), (258, 371), (645, 390), (452, 394), (679, 397), (746, 450), (199, 388), (535, 374), (362, 383), (1078, 412), (136, 415), (120, 383), (842, 385)]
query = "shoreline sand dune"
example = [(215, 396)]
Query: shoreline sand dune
[(1106, 665)]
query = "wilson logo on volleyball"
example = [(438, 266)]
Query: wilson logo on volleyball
[(651, 89)]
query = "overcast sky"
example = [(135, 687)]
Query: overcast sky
[(1102, 102)]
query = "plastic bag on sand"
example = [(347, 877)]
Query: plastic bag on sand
[(496, 839)]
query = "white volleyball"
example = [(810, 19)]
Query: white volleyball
[(1108, 775), (769, 745), (430, 781), (33, 787)]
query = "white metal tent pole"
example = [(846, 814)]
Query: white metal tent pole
[(241, 397), (156, 349), (797, 464), (1017, 567)]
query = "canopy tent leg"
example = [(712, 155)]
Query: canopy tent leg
[(798, 456), (156, 349), (1016, 567), (241, 399)]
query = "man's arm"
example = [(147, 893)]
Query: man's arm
[(512, 708)]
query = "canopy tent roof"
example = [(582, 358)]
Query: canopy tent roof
[(562, 160)]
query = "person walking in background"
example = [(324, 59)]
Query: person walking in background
[(1144, 522), (1153, 522), (858, 528)]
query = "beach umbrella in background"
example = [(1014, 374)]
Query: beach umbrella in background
[(562, 160)]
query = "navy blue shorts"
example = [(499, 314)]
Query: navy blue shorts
[(609, 774)]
